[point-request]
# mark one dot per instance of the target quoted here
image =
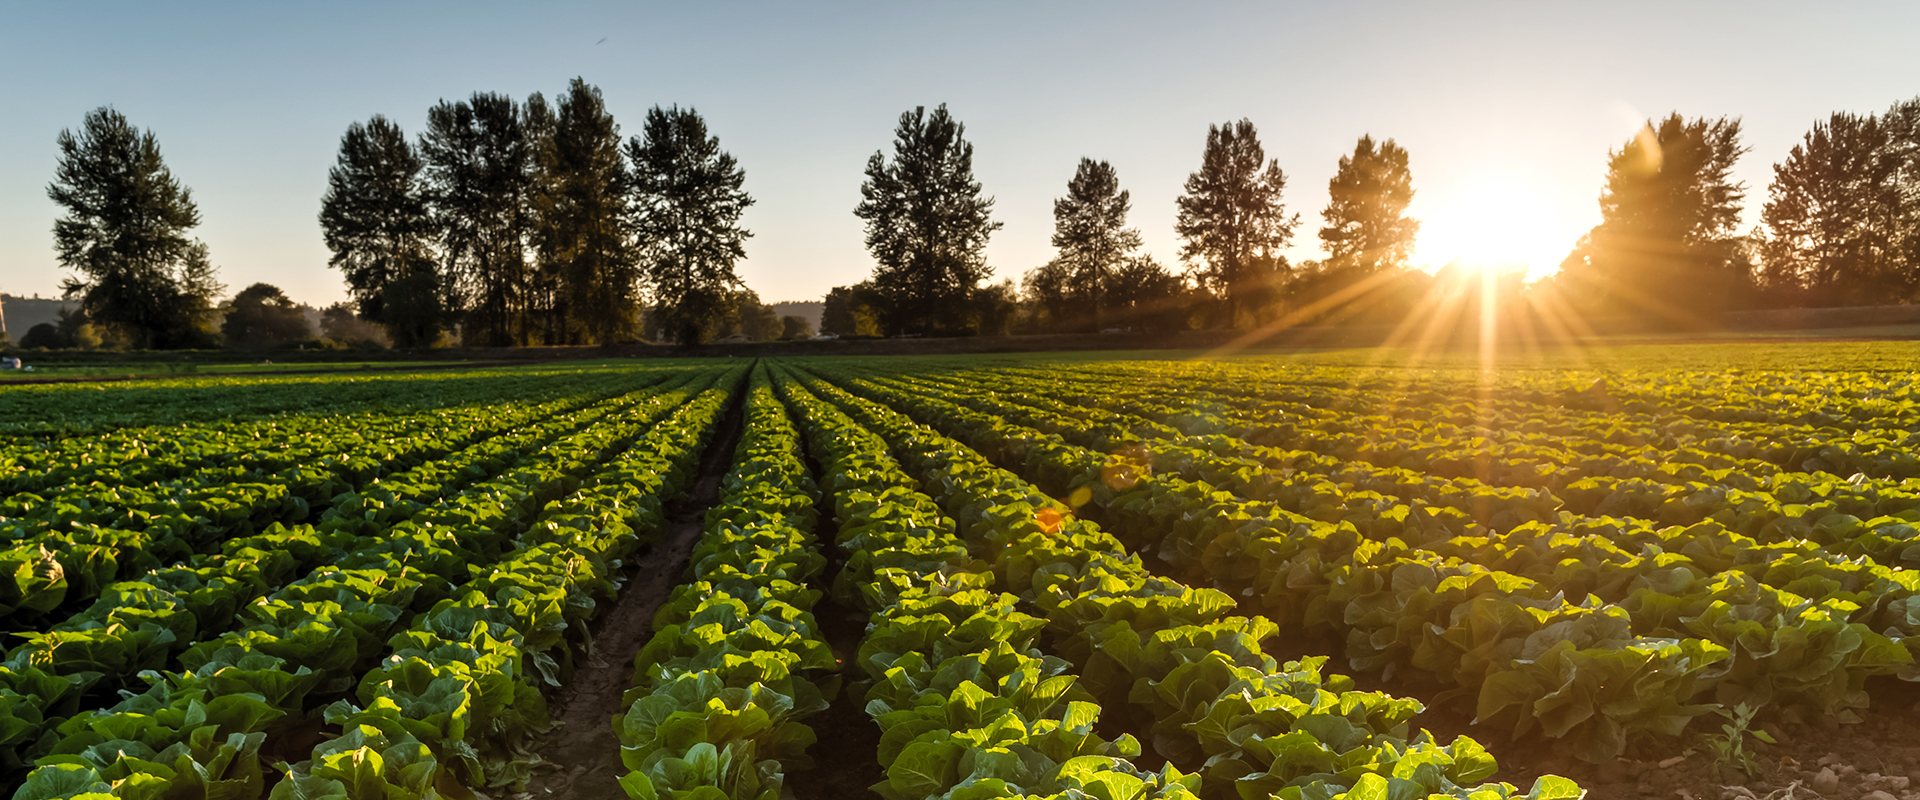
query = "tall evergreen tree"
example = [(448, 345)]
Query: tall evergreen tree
[(927, 225), (1367, 228), (125, 233), (1665, 245), (1089, 228), (579, 200), (687, 200), (479, 156), (1234, 221), (374, 218)]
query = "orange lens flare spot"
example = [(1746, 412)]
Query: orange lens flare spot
[(1049, 519), (1080, 497)]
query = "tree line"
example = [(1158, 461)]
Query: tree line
[(529, 223), (522, 222), (1840, 226)]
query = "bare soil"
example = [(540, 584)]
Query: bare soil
[(582, 752), (846, 757)]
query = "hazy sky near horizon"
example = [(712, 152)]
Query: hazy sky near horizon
[(1507, 109)]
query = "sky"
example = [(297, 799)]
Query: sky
[(1507, 109)]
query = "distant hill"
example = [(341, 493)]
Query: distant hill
[(22, 313), (795, 308)]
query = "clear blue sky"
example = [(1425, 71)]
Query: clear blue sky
[(1507, 109)]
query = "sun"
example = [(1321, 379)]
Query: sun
[(1493, 223)]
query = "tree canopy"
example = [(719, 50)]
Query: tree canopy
[(124, 233), (1842, 215), (688, 199), (1667, 212), (374, 218), (927, 225), (1234, 222), (1090, 230)]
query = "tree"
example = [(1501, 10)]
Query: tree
[(1054, 293), (44, 336), (375, 219), (996, 306), (1234, 222), (687, 200), (262, 316), (339, 323), (1665, 244), (479, 165), (926, 225), (580, 200), (1367, 229), (125, 233), (848, 311), (1089, 228), (754, 319), (793, 326), (1838, 218), (1145, 295)]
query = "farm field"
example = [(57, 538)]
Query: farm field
[(1622, 572)]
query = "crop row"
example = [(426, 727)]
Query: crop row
[(65, 554), (1588, 421), (84, 409), (438, 626), (245, 450), (1696, 616), (1173, 654), (736, 659)]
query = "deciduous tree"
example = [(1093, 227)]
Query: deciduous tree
[(927, 225), (262, 316), (580, 202), (687, 199), (1090, 230), (1841, 214), (479, 156), (848, 310), (1234, 222), (1665, 246), (374, 218), (125, 233), (1367, 229)]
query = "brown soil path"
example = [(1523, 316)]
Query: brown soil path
[(845, 758), (582, 751)]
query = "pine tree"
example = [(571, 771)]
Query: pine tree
[(1234, 222), (125, 233), (927, 225), (688, 201), (374, 218)]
